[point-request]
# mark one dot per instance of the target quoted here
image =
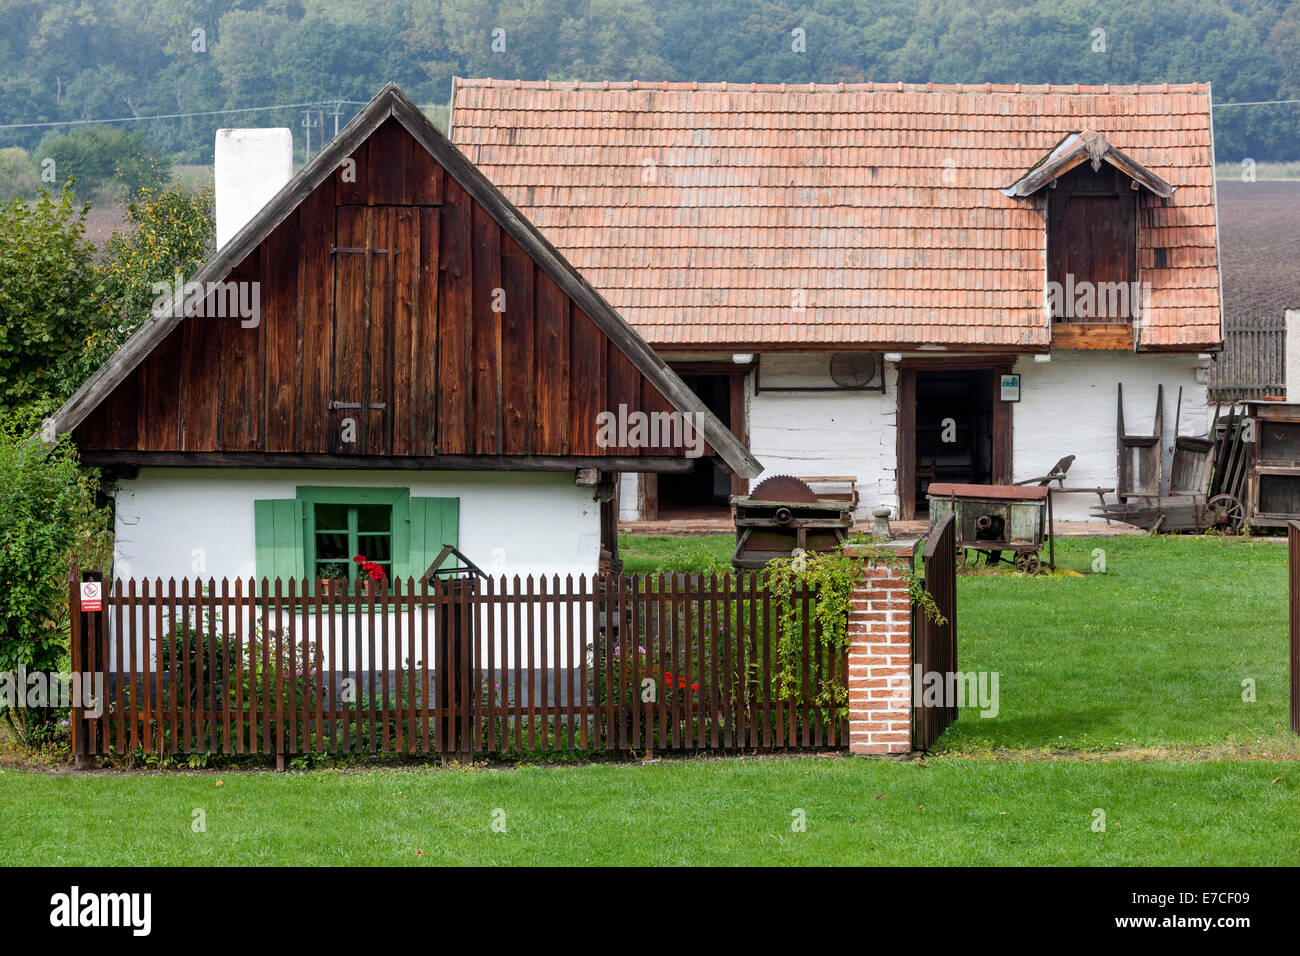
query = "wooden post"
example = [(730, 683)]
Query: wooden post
[(1293, 576), (85, 628)]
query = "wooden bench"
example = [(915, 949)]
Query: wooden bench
[(847, 490)]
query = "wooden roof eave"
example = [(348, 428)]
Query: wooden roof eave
[(391, 101), (1089, 147)]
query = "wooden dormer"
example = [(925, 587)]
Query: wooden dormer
[(1094, 193)]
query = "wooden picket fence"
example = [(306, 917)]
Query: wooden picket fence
[(1252, 364), (464, 666)]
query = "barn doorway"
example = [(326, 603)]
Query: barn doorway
[(953, 427), (703, 491)]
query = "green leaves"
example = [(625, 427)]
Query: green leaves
[(49, 520), (46, 293)]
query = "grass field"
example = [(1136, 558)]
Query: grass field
[(1119, 691), (1150, 653), (704, 811)]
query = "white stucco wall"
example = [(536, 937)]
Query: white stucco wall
[(178, 522), (629, 496), (1068, 407), (168, 520), (1293, 355), (825, 433)]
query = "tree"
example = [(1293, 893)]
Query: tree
[(47, 296), (49, 521), (95, 156), (16, 175), (170, 231)]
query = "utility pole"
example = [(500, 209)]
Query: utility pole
[(307, 125), (338, 107)]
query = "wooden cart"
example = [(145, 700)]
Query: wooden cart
[(1196, 498), (991, 519)]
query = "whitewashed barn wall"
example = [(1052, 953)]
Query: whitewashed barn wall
[(510, 522), (199, 523), (1067, 407), (845, 432), (629, 496)]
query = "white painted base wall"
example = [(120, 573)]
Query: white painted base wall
[(179, 522), (1067, 407), (811, 434), (192, 521)]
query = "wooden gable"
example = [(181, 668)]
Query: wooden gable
[(393, 303)]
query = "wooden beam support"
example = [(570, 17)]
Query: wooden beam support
[(218, 459)]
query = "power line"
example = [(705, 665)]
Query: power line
[(141, 119), (1224, 106), (338, 102)]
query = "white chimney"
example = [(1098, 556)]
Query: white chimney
[(251, 166)]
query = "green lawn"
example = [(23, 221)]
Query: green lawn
[(1149, 654), (1119, 692), (702, 811)]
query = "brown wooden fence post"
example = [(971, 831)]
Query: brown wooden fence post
[(85, 626)]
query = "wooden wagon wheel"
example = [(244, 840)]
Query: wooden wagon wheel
[(1227, 512), (1028, 562)]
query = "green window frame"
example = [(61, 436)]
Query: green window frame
[(353, 512), (286, 530)]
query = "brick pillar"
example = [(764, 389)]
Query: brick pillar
[(880, 659)]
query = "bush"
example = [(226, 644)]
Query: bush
[(98, 156), (171, 231), (49, 520), (17, 178)]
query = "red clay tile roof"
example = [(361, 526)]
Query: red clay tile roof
[(704, 212)]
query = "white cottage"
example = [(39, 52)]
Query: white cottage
[(885, 284), (386, 358)]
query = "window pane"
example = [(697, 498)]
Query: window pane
[(332, 546), (331, 517), (374, 518), (331, 570), (376, 547)]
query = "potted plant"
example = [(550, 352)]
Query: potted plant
[(370, 572), (334, 578)]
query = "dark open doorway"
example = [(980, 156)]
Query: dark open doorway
[(704, 490), (952, 428)]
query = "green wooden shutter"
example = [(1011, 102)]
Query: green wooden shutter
[(434, 522), (279, 535)]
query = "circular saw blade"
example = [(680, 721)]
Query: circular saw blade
[(783, 488)]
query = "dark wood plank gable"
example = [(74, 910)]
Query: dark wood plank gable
[(393, 299), (1092, 229)]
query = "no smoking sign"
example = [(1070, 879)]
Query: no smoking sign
[(92, 596)]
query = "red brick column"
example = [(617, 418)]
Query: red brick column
[(880, 660)]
